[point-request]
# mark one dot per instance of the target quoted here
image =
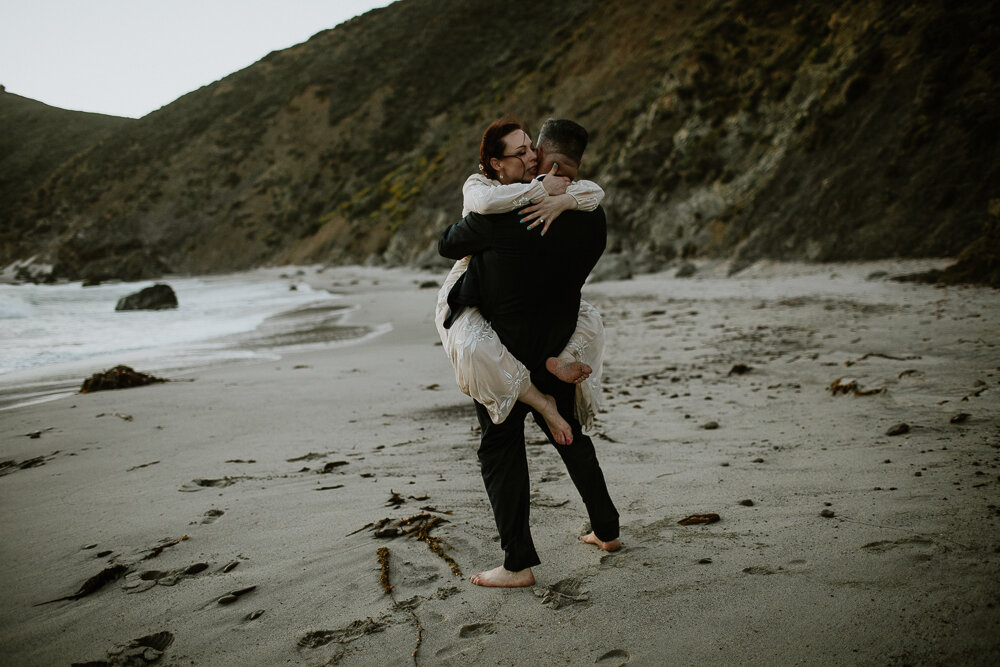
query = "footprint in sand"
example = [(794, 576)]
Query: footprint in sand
[(616, 656), (798, 565), (920, 549), (345, 635), (540, 499), (615, 559), (212, 515), (477, 630), (563, 593), (199, 484), (137, 582), (551, 475), (141, 651)]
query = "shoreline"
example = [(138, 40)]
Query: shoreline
[(312, 325), (856, 547)]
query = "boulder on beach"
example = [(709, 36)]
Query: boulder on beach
[(119, 377), (157, 297)]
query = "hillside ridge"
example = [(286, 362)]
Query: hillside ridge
[(851, 130)]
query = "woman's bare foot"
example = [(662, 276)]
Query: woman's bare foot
[(590, 538), (546, 406), (571, 372), (560, 429), (499, 577)]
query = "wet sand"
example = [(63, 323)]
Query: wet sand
[(240, 517)]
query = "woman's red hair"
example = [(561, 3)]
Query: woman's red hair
[(492, 144)]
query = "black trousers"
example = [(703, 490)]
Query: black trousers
[(504, 465)]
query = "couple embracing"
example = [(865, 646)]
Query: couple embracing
[(514, 326)]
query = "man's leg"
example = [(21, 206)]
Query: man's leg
[(585, 471), (504, 466)]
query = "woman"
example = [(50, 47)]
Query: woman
[(484, 368)]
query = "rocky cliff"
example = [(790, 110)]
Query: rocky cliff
[(35, 140), (790, 130)]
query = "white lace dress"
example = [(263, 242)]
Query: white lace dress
[(484, 368)]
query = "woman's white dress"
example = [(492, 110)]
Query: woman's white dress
[(484, 368)]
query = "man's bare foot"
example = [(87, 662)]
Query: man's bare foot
[(499, 577), (560, 429), (590, 538), (571, 372)]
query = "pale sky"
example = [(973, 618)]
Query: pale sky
[(131, 57)]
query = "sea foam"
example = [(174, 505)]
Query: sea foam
[(46, 327)]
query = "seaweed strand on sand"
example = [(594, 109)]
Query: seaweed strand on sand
[(418, 526), (158, 549), (94, 583), (423, 525), (383, 562)]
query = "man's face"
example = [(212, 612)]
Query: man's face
[(568, 167)]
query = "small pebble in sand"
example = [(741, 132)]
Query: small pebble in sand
[(959, 417), (746, 502), (705, 561), (828, 514), (710, 426), (758, 460), (917, 474), (898, 429)]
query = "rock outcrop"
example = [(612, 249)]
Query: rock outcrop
[(158, 297)]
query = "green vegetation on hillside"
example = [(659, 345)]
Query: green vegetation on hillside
[(821, 131)]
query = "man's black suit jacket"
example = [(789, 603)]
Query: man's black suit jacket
[(526, 285)]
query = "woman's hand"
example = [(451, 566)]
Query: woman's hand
[(555, 185), (547, 210)]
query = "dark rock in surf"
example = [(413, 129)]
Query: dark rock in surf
[(157, 297)]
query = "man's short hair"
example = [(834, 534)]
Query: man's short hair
[(564, 137)]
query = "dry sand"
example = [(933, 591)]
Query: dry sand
[(229, 468)]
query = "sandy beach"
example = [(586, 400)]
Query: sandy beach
[(234, 512)]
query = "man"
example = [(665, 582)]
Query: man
[(528, 287)]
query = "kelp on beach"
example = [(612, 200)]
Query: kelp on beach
[(418, 526)]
